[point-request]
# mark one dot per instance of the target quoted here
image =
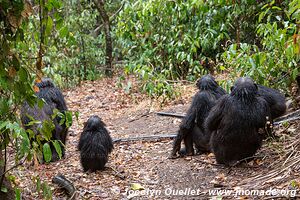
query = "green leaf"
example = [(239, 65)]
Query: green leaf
[(222, 67), (63, 32), (3, 124), (18, 193), (77, 115), (69, 119), (57, 147), (295, 73), (49, 26), (4, 189), (47, 193), (38, 183), (47, 152)]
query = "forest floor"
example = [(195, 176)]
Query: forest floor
[(144, 164)]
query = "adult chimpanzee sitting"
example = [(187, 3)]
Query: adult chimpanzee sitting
[(53, 96), (191, 129), (235, 121), (53, 100)]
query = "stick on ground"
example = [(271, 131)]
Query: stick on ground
[(148, 137)]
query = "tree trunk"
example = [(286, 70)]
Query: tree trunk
[(106, 23), (4, 183)]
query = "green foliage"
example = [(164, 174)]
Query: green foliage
[(45, 129), (18, 194), (168, 40), (72, 52), (47, 152), (15, 80), (275, 62), (18, 47), (43, 188)]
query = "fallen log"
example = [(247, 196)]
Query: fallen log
[(286, 118), (64, 183), (177, 115), (290, 115), (148, 137)]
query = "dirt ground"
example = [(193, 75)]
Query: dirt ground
[(144, 164)]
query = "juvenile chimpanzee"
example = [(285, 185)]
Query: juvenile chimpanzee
[(94, 145), (234, 123), (191, 129), (275, 99), (53, 100)]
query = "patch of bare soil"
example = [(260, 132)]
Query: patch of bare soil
[(145, 164)]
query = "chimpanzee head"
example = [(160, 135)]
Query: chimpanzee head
[(207, 82), (244, 88), (94, 123), (46, 82)]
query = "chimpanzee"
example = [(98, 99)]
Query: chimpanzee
[(51, 94), (41, 114), (235, 123), (94, 145), (191, 129), (53, 100), (275, 99)]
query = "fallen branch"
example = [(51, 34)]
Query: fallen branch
[(149, 137), (286, 118), (140, 116), (64, 183), (177, 115), (20, 163), (117, 173)]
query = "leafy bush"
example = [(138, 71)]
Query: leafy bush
[(169, 40), (276, 61)]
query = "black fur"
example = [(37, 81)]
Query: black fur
[(191, 129), (235, 121), (53, 100), (94, 145), (275, 99), (51, 94), (41, 114)]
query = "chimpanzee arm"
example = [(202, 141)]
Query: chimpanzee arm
[(188, 121), (58, 99), (215, 116)]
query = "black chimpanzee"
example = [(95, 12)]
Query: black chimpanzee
[(53, 96), (235, 123), (191, 129), (275, 99), (53, 100), (94, 145)]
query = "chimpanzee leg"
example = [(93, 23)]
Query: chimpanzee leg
[(188, 142)]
